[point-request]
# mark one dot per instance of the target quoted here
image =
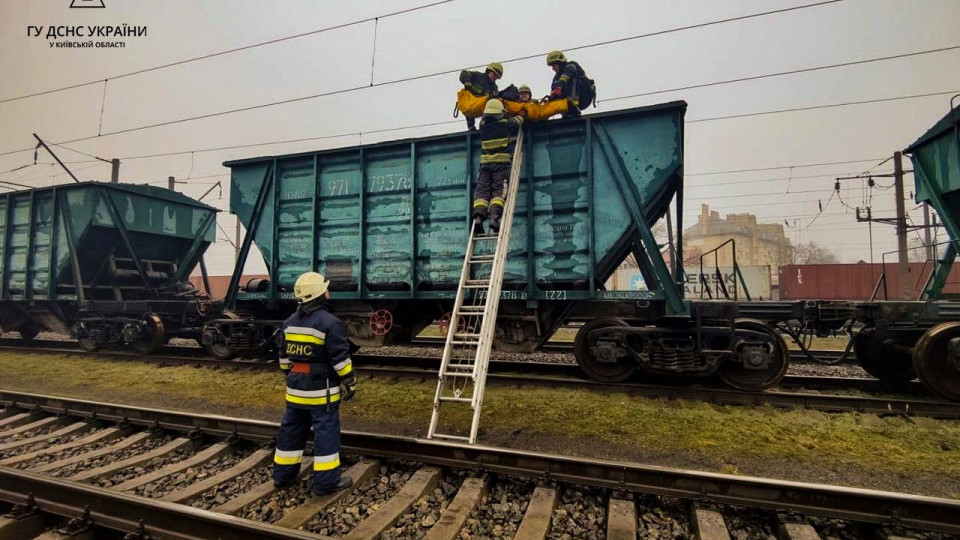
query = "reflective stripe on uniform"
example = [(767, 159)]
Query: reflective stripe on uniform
[(303, 334), (344, 367), (285, 363), (312, 393), (313, 397), (495, 144), (497, 201), (306, 330), (287, 457), (312, 401), (495, 158), (326, 463), (480, 203)]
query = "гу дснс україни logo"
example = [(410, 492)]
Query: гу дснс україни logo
[(87, 4)]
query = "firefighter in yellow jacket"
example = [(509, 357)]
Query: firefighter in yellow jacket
[(315, 354)]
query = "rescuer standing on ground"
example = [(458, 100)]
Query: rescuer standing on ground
[(498, 136), (570, 82), (482, 84), (315, 354)]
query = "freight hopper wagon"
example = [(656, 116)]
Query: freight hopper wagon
[(107, 263), (903, 339), (388, 225)]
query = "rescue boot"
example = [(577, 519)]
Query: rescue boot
[(495, 213), (471, 123), (344, 483), (478, 226), (277, 484), (572, 110)]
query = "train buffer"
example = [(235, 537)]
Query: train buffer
[(470, 334)]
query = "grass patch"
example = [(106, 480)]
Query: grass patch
[(883, 444)]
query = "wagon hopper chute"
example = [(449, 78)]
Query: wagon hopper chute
[(108, 263)]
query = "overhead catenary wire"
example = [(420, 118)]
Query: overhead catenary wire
[(224, 52), (783, 73), (438, 73), (430, 124)]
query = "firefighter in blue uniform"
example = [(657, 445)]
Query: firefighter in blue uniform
[(499, 136), (315, 354), (570, 82)]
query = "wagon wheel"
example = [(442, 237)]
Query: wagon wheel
[(219, 349), (381, 322), (600, 357), (444, 324), (151, 336), (768, 347), (881, 358), (936, 358), (86, 343)]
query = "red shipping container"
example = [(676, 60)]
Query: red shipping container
[(855, 281)]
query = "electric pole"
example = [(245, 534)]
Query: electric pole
[(901, 226), (926, 231), (171, 183)]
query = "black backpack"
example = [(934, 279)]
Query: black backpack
[(586, 88), (510, 93)]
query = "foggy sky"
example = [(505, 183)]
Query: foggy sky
[(467, 33)]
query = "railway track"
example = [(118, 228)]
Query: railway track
[(795, 391), (75, 467)]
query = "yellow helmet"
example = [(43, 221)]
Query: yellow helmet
[(493, 107), (310, 286), (496, 67), (554, 57), (524, 88)]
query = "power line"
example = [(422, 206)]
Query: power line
[(783, 73), (774, 168), (224, 52), (816, 107), (434, 74)]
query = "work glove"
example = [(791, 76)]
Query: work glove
[(349, 388), (555, 93)]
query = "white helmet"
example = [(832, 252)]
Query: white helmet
[(310, 286)]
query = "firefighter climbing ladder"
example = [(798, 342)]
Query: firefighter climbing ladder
[(466, 353)]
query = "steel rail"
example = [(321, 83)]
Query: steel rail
[(125, 512), (928, 513)]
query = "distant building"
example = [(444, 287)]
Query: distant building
[(758, 244)]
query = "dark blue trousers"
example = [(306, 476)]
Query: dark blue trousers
[(292, 439)]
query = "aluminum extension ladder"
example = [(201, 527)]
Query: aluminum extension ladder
[(466, 352)]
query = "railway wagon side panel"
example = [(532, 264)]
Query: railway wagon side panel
[(391, 220), (41, 228)]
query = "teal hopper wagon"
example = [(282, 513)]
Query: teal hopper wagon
[(903, 339), (387, 224), (107, 263)]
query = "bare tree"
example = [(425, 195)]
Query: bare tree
[(812, 253)]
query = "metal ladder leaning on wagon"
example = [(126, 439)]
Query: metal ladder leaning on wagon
[(469, 339)]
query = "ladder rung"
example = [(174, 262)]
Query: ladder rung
[(482, 259), (466, 335), (487, 236), (461, 374), (471, 343), (456, 399), (452, 437), (472, 310), (477, 283)]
